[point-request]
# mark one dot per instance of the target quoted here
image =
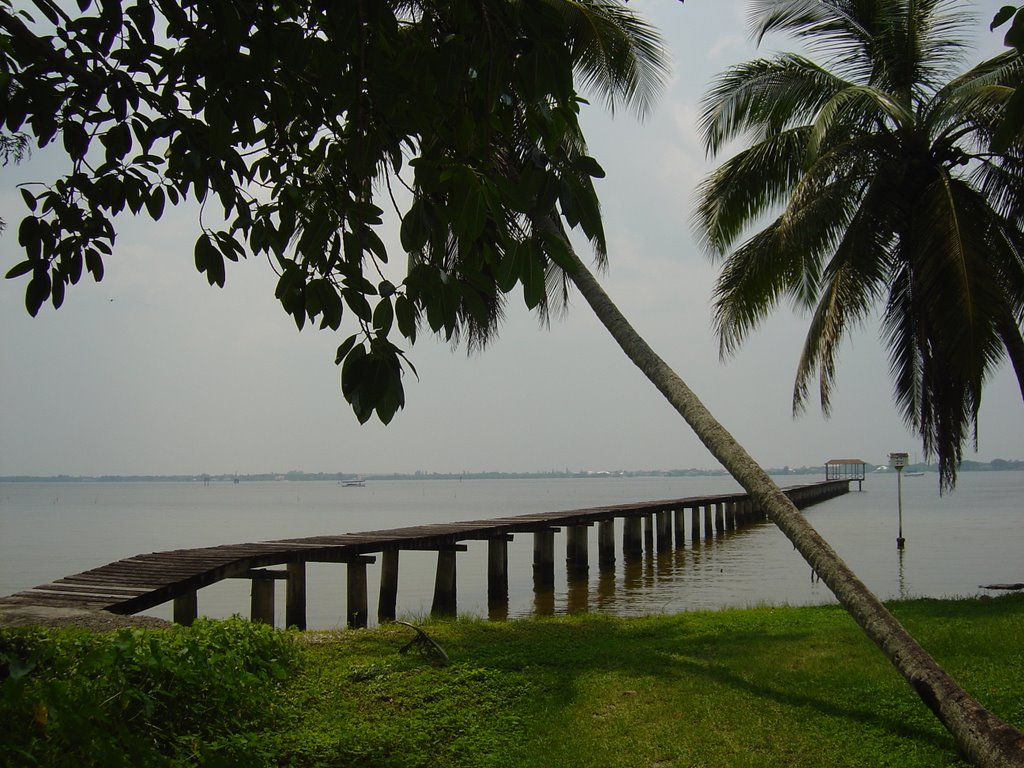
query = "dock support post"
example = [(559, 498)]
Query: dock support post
[(664, 530), (730, 515), (358, 613), (709, 531), (679, 523), (261, 600), (295, 596), (632, 536), (577, 554), (186, 608), (543, 559), (444, 585), (606, 544), (694, 525), (387, 601), (719, 517), (497, 569), (648, 533)]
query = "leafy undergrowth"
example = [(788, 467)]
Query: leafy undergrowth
[(759, 687), (140, 697)]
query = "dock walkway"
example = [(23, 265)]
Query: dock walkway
[(144, 581)]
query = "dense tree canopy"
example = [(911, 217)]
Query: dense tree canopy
[(291, 122), (875, 164)]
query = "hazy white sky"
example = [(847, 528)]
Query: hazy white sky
[(152, 371)]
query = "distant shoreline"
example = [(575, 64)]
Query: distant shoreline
[(294, 476)]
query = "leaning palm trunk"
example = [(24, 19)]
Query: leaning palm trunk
[(983, 738)]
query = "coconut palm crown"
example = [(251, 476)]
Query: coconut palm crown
[(873, 155)]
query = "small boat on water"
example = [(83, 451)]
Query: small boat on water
[(355, 482)]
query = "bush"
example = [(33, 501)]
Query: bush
[(181, 696)]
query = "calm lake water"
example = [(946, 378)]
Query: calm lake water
[(955, 543)]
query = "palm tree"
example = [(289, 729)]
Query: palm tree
[(979, 734), (877, 167)]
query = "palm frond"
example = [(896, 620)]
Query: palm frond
[(764, 96), (616, 52), (745, 186)]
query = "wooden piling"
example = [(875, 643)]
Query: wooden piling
[(606, 544), (444, 585), (186, 608), (261, 600), (497, 569), (648, 533), (719, 517), (664, 530), (679, 524), (709, 527), (632, 536), (543, 559), (695, 525), (357, 603), (295, 596), (387, 600), (577, 554)]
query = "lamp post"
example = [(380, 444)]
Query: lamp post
[(898, 461)]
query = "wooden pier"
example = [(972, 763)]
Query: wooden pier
[(142, 582)]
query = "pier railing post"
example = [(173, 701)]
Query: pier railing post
[(295, 596)]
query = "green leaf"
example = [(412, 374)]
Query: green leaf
[(1002, 16), (344, 348), (209, 260), (589, 166), (19, 269), (383, 317), (405, 314), (155, 203), (414, 231), (510, 267), (29, 198), (533, 276)]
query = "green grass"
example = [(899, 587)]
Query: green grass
[(760, 687)]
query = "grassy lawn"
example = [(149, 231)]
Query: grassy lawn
[(761, 687)]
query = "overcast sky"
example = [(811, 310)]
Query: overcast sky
[(154, 372)]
